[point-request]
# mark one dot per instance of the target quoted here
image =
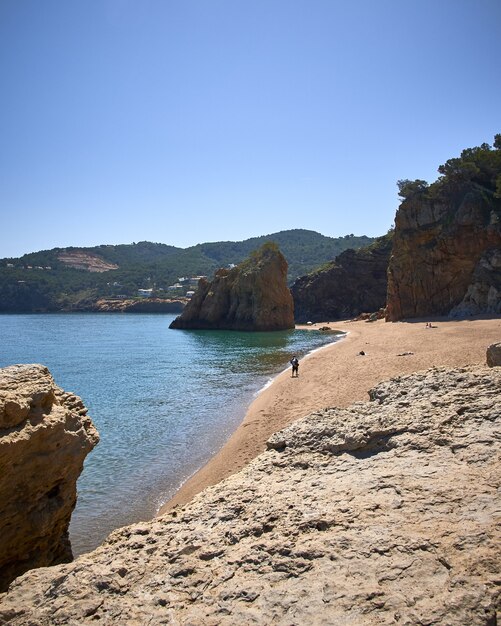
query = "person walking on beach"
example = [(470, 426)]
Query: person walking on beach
[(295, 366)]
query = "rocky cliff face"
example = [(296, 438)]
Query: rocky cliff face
[(382, 513), (252, 296), (354, 283), (45, 435), (446, 255)]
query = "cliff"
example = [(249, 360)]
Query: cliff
[(381, 513), (352, 284), (251, 296), (45, 435), (446, 257)]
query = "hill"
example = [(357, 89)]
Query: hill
[(75, 278)]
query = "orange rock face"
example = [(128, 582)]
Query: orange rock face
[(45, 435), (445, 257), (252, 296)]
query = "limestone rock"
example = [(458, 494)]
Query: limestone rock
[(45, 435), (494, 355), (252, 296), (483, 295), (386, 512), (446, 256), (354, 283)]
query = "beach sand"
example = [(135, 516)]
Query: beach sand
[(338, 375)]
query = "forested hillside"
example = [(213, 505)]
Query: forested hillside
[(74, 278)]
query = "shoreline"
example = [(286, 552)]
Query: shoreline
[(166, 504), (337, 375)]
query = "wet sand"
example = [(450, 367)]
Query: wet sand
[(338, 375)]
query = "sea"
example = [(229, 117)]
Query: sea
[(164, 401)]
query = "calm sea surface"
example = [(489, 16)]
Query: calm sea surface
[(163, 400)]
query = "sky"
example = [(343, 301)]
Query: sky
[(185, 121)]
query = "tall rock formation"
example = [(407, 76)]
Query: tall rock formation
[(252, 296), (386, 512), (45, 435), (446, 257), (355, 282)]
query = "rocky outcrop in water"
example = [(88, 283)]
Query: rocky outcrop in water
[(382, 513), (352, 284), (45, 434), (446, 257), (251, 296)]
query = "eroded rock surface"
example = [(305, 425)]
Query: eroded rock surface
[(45, 434), (251, 296), (354, 283), (494, 355), (381, 513), (483, 294), (446, 256)]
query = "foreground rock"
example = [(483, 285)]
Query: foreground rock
[(252, 296), (352, 284), (382, 513), (45, 435)]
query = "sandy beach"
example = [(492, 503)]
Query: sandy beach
[(339, 375)]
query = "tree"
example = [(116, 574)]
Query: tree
[(408, 188)]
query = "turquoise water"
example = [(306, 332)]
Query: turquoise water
[(163, 400)]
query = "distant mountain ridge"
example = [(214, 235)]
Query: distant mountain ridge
[(74, 278)]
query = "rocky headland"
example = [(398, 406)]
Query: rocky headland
[(45, 435), (355, 282), (384, 512), (443, 258), (446, 257), (251, 296)]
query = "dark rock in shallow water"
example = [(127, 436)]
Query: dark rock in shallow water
[(252, 296)]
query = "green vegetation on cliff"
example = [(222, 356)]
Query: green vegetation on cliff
[(477, 169)]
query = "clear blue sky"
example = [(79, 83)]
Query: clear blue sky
[(182, 121)]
